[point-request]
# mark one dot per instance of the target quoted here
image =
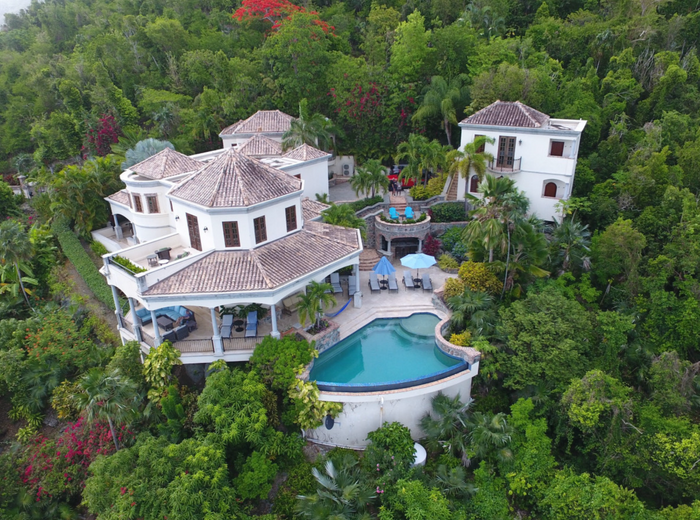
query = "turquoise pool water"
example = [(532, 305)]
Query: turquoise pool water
[(385, 351)]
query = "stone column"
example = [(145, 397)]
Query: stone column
[(388, 246), (117, 309), (275, 333), (420, 245), (135, 320), (156, 331), (216, 338)]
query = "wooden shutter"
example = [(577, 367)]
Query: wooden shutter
[(557, 148), (260, 230), (152, 203), (193, 228), (231, 236), (550, 190), (291, 214), (137, 204)]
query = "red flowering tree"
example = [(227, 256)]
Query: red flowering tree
[(103, 135), (431, 245), (275, 12), (57, 468)]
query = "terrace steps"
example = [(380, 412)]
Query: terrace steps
[(368, 259), (398, 202), (452, 192)]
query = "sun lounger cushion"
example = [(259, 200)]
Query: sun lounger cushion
[(393, 286), (374, 282), (427, 283), (352, 285), (408, 280)]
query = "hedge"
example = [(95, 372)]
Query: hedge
[(364, 203), (449, 212), (73, 249)]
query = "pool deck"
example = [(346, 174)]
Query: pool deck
[(388, 304)]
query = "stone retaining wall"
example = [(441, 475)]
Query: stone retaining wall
[(469, 354), (324, 339)]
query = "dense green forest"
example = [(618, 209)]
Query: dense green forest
[(587, 405)]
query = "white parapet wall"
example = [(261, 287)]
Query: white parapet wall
[(365, 412)]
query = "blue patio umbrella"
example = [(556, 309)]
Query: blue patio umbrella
[(384, 267), (418, 261)]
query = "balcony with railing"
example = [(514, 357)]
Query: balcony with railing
[(505, 166)]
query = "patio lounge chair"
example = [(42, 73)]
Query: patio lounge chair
[(427, 283), (393, 286), (352, 285), (335, 282), (225, 331), (251, 327), (408, 280), (374, 283), (393, 214), (409, 212)]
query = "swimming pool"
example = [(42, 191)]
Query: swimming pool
[(385, 354)]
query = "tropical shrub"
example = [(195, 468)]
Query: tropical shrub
[(477, 277), (309, 410), (431, 245), (414, 501), (155, 479), (448, 212), (174, 412), (158, 367), (447, 262), (451, 237), (463, 339), (453, 287), (300, 481), (391, 447), (279, 360), (73, 249), (128, 264), (364, 203), (98, 248), (255, 479), (62, 400)]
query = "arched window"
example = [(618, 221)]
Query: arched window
[(550, 189), (474, 184)]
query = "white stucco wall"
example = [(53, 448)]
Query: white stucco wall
[(212, 219), (314, 174), (363, 413), (537, 166)]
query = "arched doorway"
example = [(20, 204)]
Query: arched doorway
[(474, 184), (123, 228), (550, 190)]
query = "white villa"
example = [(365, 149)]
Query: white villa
[(233, 227), (538, 152)]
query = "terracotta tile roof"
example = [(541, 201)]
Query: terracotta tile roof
[(264, 268), (235, 180), (262, 122), (164, 164), (312, 209), (122, 197), (260, 146), (507, 113), (305, 153)]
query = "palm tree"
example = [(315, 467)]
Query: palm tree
[(500, 205), (527, 250), (411, 152), (360, 182), (445, 428), (471, 158), (466, 305), (444, 98), (343, 215), (109, 396), (310, 129), (489, 433), (570, 245), (317, 298), (341, 494), (376, 175), (15, 249)]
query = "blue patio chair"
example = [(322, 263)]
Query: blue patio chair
[(251, 327), (393, 214), (409, 212)]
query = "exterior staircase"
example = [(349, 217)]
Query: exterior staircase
[(368, 259), (398, 202), (452, 192)]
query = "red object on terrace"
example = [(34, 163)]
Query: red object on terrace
[(405, 183)]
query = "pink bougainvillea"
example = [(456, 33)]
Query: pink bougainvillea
[(60, 466), (104, 135)]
